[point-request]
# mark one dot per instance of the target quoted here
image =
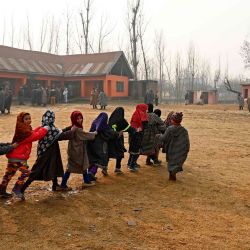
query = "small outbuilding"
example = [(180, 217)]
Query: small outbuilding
[(203, 97)]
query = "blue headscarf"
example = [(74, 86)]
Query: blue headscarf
[(100, 123), (48, 120)]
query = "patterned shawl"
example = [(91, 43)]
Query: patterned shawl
[(48, 120)]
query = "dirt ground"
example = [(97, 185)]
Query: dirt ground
[(207, 208)]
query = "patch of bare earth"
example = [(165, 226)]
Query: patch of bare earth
[(207, 208)]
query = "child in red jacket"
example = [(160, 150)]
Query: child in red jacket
[(139, 121), (17, 158)]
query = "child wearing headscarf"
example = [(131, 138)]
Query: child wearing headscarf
[(17, 158), (98, 148), (48, 165), (139, 122), (177, 145), (78, 161), (155, 126), (116, 146)]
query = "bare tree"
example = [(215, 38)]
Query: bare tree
[(160, 56), (229, 87), (28, 34), (85, 19), (12, 35), (4, 31), (245, 51), (141, 31), (192, 64), (217, 75), (57, 38), (79, 38), (133, 33), (103, 33), (43, 32), (178, 78), (51, 36), (68, 30)]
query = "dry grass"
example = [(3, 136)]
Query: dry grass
[(207, 208)]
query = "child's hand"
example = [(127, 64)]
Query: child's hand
[(15, 145), (95, 132)]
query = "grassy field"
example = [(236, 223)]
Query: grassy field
[(207, 208)]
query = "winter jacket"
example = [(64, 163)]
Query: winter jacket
[(5, 148), (23, 151)]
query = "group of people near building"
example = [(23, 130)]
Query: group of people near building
[(42, 96), (89, 151), (241, 102), (98, 97), (5, 99)]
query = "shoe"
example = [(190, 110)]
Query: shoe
[(92, 177), (172, 176), (88, 184), (149, 163), (66, 189), (137, 165), (105, 172), (132, 169), (19, 195), (5, 195), (118, 171), (57, 189), (157, 162)]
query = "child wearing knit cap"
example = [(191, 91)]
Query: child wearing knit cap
[(177, 145)]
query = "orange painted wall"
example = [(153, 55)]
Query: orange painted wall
[(109, 82), (114, 79), (243, 88)]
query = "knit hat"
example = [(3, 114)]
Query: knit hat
[(177, 117), (157, 112)]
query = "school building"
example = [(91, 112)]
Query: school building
[(79, 73)]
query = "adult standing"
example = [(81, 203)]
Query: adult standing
[(103, 102), (241, 102), (21, 96), (52, 96), (149, 98), (44, 96), (8, 100), (93, 98), (248, 103), (2, 100), (156, 99), (65, 95)]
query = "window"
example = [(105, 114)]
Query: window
[(119, 86)]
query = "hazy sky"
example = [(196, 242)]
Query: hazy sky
[(216, 27)]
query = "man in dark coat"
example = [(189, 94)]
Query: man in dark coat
[(8, 100), (21, 96), (2, 100)]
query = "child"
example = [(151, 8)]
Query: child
[(48, 165), (116, 146), (155, 126), (177, 145), (78, 161), (98, 148), (139, 122), (17, 158)]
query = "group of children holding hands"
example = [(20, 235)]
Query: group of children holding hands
[(88, 151)]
